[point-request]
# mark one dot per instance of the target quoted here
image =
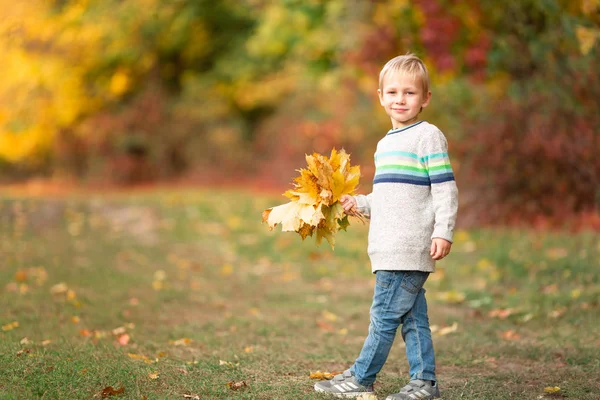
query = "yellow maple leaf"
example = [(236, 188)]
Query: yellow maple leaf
[(551, 389), (315, 199)]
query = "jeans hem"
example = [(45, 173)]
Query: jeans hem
[(424, 377)]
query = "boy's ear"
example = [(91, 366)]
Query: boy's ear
[(427, 100), (380, 96)]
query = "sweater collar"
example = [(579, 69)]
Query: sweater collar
[(396, 130)]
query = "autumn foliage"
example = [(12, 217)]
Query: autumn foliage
[(315, 200), (148, 90)]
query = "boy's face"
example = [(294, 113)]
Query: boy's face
[(402, 97)]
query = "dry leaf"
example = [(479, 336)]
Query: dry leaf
[(181, 342), (323, 375), (153, 375), (10, 326), (140, 357), (118, 331), (324, 326), (448, 329), (59, 288), (25, 341), (329, 316), (191, 396), (123, 339), (24, 351), (551, 389), (501, 313), (315, 205), (110, 391), (451, 297), (20, 276), (510, 335), (229, 364), (237, 385)]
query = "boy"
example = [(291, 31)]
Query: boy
[(413, 210)]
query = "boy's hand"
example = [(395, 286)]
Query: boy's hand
[(349, 204), (440, 248)]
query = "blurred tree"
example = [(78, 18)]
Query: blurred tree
[(146, 89)]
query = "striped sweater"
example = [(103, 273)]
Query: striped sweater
[(414, 198)]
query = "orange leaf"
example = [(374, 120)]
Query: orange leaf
[(323, 375), (10, 326), (324, 326), (85, 333), (510, 335), (123, 339), (21, 276), (110, 391), (237, 385)]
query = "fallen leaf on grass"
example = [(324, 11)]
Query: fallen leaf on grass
[(329, 316), (237, 385), (510, 335), (324, 326), (551, 389), (59, 288), (21, 276), (451, 297), (191, 396), (118, 331), (501, 313), (153, 375), (24, 351), (558, 312), (448, 329), (323, 375), (123, 339), (10, 326), (110, 391), (229, 364), (85, 333), (140, 357), (181, 342), (25, 341), (46, 342)]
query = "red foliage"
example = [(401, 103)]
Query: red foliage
[(536, 159)]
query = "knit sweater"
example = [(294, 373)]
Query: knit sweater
[(414, 198)]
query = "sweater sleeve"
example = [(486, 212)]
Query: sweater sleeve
[(444, 191), (363, 202)]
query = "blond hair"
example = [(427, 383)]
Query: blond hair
[(408, 64)]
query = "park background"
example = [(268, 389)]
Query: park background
[(140, 141)]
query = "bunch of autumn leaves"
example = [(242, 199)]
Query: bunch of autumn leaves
[(315, 199)]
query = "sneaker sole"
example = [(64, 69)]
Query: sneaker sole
[(347, 395)]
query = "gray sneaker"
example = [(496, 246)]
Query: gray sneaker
[(343, 385), (417, 390)]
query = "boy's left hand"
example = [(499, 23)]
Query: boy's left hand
[(440, 248)]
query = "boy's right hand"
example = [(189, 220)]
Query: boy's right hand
[(349, 204)]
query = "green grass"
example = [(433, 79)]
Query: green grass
[(266, 308)]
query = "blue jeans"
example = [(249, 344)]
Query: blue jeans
[(399, 299)]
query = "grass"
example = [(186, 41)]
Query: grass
[(168, 294)]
